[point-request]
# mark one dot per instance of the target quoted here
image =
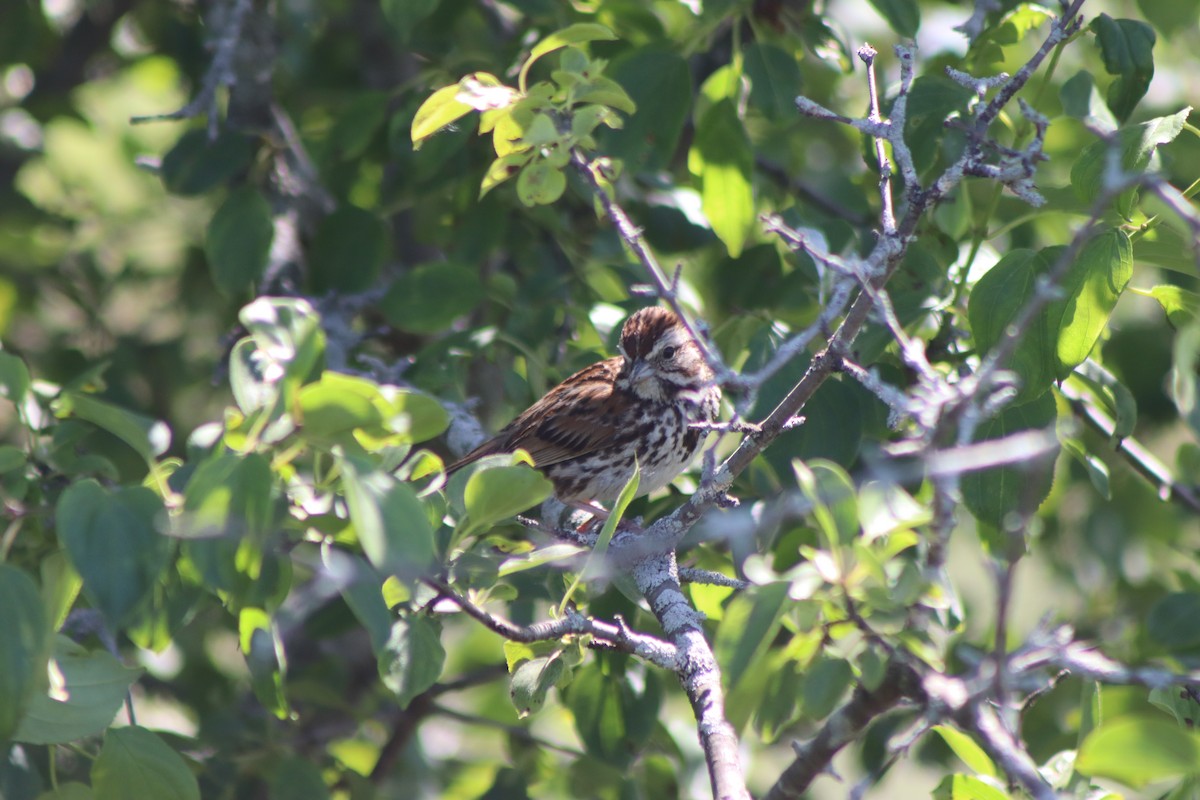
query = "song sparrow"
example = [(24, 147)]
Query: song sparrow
[(586, 432)]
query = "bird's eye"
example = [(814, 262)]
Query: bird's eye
[(668, 353)]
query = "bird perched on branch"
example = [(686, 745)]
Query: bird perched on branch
[(587, 433)]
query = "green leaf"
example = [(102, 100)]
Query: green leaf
[(1137, 145), (966, 749), (904, 16), (996, 301), (412, 659), (1093, 465), (93, 687), (502, 169), (1138, 750), (24, 645), (113, 541), (425, 417), (1179, 702), (595, 565), (136, 763), (297, 778), (60, 586), (263, 648), (348, 251), (660, 83), (1174, 621), (361, 587), (428, 298), (498, 493), (1092, 285), (549, 554), (532, 679), (14, 378), (932, 99), (337, 404), (1182, 307), (595, 698), (1082, 101), (149, 437), (195, 165), (572, 34), (230, 495), (388, 519), (1170, 16), (1017, 24), (774, 79), (750, 623), (968, 787), (722, 158), (403, 15), (12, 459), (540, 183), (1127, 47), (238, 240), (992, 494), (831, 491), (439, 110), (69, 791), (285, 338), (358, 122), (825, 683)]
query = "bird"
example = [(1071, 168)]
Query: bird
[(587, 433)]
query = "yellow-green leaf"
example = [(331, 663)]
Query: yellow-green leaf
[(572, 34), (439, 110)]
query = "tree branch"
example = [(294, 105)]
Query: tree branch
[(845, 725), (658, 580), (616, 636)]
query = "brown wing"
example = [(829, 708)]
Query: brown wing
[(574, 418)]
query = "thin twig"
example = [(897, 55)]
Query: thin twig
[(619, 637), (220, 73)]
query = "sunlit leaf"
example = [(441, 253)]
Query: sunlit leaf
[(1092, 286), (498, 493), (1136, 146), (966, 749), (388, 518), (92, 688), (721, 157), (1138, 750), (439, 110), (572, 34), (532, 679), (1180, 305)]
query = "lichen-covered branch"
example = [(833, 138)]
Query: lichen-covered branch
[(657, 579), (614, 635)]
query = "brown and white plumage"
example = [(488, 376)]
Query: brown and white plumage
[(586, 433)]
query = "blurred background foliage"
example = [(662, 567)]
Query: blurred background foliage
[(127, 250)]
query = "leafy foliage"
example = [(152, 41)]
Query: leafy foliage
[(242, 342)]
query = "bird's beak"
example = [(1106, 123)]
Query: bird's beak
[(639, 373)]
